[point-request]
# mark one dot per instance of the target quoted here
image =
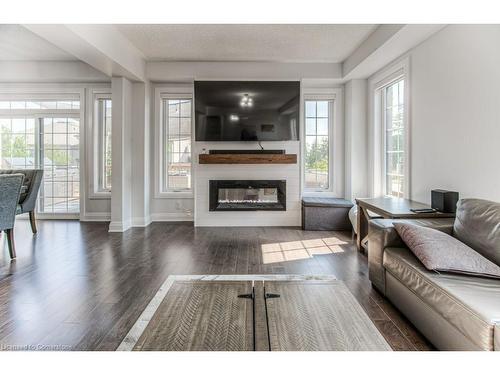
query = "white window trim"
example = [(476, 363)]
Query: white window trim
[(184, 91), (336, 139), (40, 112), (376, 145), (93, 145), (54, 91)]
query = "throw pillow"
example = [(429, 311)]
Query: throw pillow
[(439, 251)]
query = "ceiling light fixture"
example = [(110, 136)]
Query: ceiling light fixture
[(246, 101)]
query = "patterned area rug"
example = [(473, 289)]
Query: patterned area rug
[(253, 312)]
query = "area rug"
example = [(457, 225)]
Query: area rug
[(253, 312)]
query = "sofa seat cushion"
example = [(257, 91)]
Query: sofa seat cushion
[(471, 304)]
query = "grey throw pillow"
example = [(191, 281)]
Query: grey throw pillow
[(439, 251)]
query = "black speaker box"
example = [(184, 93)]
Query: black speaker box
[(444, 200)]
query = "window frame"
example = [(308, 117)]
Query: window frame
[(170, 92), (98, 142), (331, 114), (377, 147), (384, 130), (336, 140), (94, 188)]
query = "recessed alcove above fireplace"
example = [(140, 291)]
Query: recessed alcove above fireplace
[(247, 195)]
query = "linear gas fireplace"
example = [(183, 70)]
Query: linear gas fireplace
[(247, 195)]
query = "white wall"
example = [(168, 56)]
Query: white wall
[(356, 141), (121, 193), (186, 71), (455, 113), (49, 71), (140, 143)]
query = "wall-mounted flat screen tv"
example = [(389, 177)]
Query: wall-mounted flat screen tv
[(246, 111)]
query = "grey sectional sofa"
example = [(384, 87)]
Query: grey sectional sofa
[(454, 312)]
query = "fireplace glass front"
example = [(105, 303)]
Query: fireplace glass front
[(247, 195)]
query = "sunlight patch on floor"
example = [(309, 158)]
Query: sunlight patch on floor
[(296, 250)]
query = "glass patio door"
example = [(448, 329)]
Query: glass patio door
[(59, 150), (43, 131), (53, 144)]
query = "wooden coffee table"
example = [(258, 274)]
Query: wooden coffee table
[(389, 208)]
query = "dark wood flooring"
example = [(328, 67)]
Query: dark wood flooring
[(74, 286)]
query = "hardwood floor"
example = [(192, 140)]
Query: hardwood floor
[(74, 286)]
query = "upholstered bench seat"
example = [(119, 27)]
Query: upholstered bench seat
[(325, 213)]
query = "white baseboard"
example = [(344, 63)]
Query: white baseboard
[(136, 222), (59, 216), (119, 226), (141, 222), (172, 216), (96, 216)]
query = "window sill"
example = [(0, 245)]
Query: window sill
[(100, 195), (326, 194)]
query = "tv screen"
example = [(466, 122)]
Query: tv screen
[(246, 111)]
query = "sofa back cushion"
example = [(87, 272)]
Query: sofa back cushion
[(478, 225)]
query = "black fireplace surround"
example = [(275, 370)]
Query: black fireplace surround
[(247, 195)]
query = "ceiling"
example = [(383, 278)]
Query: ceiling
[(280, 43), (18, 43)]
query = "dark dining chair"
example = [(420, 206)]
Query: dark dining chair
[(10, 190), (31, 186)]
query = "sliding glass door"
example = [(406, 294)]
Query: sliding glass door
[(51, 142), (18, 143), (60, 152)]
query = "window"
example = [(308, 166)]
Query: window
[(394, 138), (103, 143), (40, 104), (317, 153), (176, 129), (44, 134), (389, 131), (17, 147), (61, 163)]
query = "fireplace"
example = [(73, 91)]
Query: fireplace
[(247, 195)]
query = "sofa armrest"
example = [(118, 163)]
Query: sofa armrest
[(382, 234)]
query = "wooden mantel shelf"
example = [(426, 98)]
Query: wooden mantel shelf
[(248, 158)]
